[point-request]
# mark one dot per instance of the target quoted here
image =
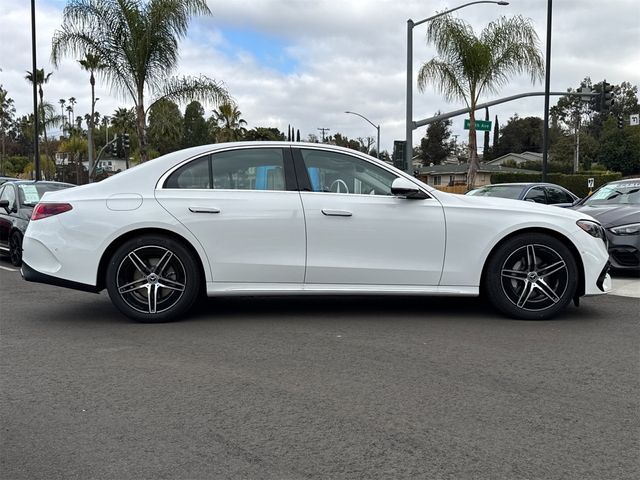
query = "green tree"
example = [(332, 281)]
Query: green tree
[(91, 63), (229, 126), (436, 146), (520, 135), (264, 134), (619, 149), (165, 127), (123, 120), (7, 111), (138, 42), (195, 130), (468, 66)]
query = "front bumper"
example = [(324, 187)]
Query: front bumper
[(624, 251)]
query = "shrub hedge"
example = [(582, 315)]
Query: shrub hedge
[(576, 183)]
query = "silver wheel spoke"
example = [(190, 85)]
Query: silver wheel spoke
[(139, 264), (547, 290), (170, 284), (163, 262), (551, 269), (514, 274), (135, 285), (526, 293), (531, 258), (152, 293)]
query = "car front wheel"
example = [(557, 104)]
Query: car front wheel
[(153, 279), (531, 276)]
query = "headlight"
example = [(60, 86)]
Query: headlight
[(629, 229), (592, 228)]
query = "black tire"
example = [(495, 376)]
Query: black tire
[(531, 277), (15, 249), (153, 279)]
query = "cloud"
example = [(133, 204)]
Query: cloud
[(312, 60)]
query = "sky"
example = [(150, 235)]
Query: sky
[(305, 62)]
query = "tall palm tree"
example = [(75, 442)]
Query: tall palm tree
[(72, 102), (468, 66), (123, 120), (62, 103), (91, 63), (40, 78), (229, 123), (138, 41)]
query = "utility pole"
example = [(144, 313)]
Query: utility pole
[(547, 83), (36, 157), (323, 130)]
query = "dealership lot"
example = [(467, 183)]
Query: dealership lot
[(286, 388)]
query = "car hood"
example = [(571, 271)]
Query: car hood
[(612, 215), (505, 204)]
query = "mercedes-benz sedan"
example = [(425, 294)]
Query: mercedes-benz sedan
[(271, 218)]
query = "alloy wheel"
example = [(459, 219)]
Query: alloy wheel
[(534, 277)]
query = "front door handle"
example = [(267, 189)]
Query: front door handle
[(204, 210), (336, 213)]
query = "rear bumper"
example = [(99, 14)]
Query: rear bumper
[(32, 275)]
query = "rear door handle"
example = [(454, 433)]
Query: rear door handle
[(336, 213), (204, 210)]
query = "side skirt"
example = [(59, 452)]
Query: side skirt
[(223, 289)]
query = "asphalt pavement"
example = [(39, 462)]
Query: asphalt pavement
[(316, 388)]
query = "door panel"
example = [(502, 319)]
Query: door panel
[(251, 228), (357, 232)]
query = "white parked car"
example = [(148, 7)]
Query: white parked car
[(265, 218)]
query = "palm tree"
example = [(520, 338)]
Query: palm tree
[(228, 122), (72, 101), (91, 63), (138, 42), (40, 79), (62, 102), (123, 120), (468, 66)]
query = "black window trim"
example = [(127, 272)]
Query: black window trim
[(290, 178)]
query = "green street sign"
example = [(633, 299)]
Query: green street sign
[(480, 125)]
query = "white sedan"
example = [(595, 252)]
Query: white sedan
[(266, 218)]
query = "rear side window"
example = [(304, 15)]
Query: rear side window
[(245, 169)]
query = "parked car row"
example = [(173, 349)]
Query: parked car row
[(17, 201)]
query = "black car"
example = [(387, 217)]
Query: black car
[(17, 199), (547, 193), (616, 206)]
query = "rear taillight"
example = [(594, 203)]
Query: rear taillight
[(44, 210)]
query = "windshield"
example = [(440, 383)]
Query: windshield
[(503, 191), (31, 193), (615, 194)]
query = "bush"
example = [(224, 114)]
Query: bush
[(575, 183)]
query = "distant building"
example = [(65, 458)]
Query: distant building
[(517, 158), (452, 175)]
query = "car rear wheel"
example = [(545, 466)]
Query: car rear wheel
[(531, 276), (15, 248), (153, 279)]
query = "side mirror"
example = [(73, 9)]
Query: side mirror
[(4, 204), (401, 187)]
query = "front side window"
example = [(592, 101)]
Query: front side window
[(557, 195), (537, 195), (247, 169), (332, 172)]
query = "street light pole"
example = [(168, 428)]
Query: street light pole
[(36, 152), (377, 127), (409, 126)]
